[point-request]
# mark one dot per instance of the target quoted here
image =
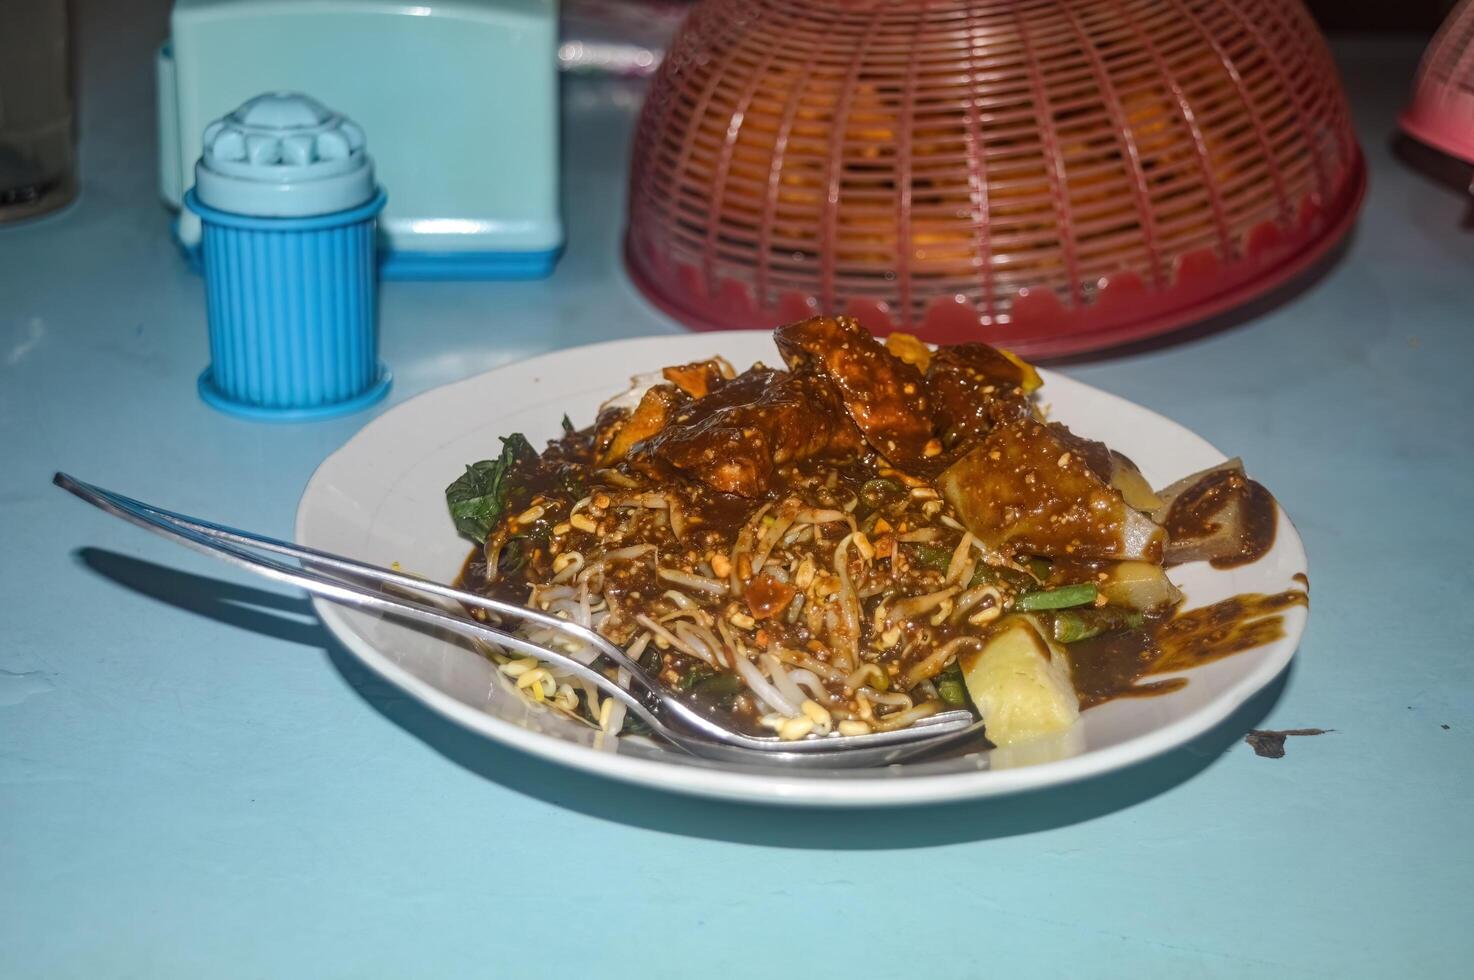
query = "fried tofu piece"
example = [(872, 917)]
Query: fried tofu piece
[(619, 434), (732, 439), (884, 395), (1023, 489), (1113, 467), (697, 379), (974, 387)]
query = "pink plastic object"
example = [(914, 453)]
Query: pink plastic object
[(1441, 113), (1053, 176)]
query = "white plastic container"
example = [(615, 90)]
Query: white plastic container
[(461, 96)]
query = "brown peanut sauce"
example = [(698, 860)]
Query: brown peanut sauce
[(1200, 512), (766, 596), (1113, 666)]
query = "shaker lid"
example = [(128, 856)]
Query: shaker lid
[(284, 155)]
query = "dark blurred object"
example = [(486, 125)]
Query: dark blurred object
[(617, 37), (1437, 166), (1441, 112), (1379, 15), (37, 137)]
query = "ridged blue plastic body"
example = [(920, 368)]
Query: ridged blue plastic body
[(421, 266), (293, 312)]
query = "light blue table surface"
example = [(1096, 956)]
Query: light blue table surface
[(196, 781)]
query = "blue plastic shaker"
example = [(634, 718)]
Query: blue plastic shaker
[(286, 196)]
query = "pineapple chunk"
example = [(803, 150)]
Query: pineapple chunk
[(1126, 478), (1019, 681), (1139, 585)]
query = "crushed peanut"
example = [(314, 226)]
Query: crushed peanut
[(740, 619), (818, 714), (796, 728), (804, 577), (985, 615)]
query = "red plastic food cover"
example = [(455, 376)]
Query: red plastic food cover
[(1441, 113), (1052, 176)]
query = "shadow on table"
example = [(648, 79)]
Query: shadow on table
[(1440, 168), (290, 618), (281, 616)]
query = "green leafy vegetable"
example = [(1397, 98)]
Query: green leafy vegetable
[(478, 499), (1074, 625), (572, 482), (1064, 597), (721, 685), (1007, 578), (634, 725), (695, 676), (932, 556), (518, 549), (878, 492), (950, 687)]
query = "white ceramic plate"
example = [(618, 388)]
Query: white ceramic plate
[(380, 498)]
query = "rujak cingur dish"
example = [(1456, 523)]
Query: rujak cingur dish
[(861, 537)]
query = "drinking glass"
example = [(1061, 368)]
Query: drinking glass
[(38, 151)]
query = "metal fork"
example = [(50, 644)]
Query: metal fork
[(359, 585)]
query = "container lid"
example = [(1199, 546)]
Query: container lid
[(284, 155), (990, 195)]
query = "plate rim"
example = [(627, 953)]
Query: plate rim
[(767, 787)]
